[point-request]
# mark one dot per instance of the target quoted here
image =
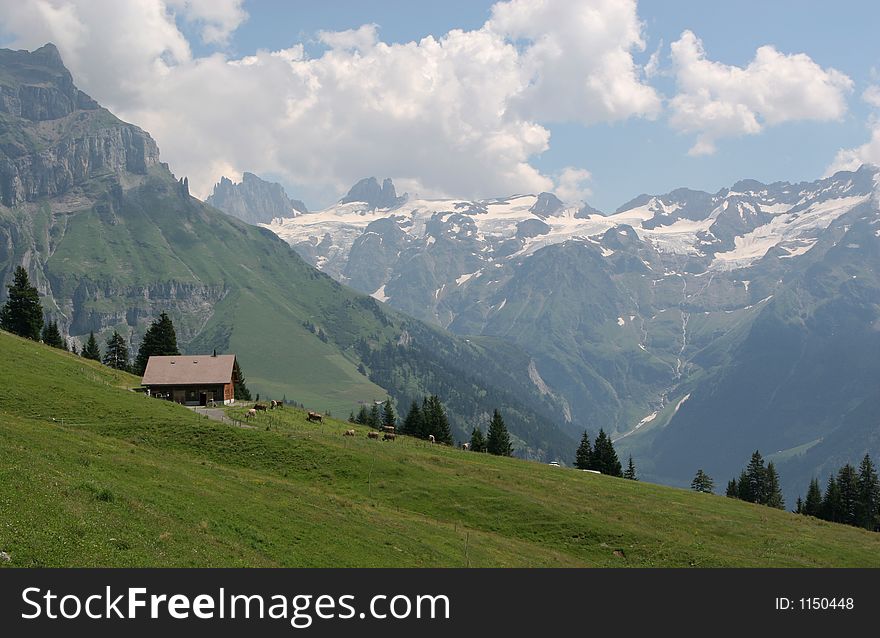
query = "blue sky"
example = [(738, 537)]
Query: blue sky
[(214, 110)]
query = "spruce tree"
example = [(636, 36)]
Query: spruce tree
[(375, 418), (703, 483), (848, 487), (389, 419), (630, 471), (412, 424), (22, 313), (583, 459), (732, 489), (91, 349), (478, 441), (813, 501), (239, 387), (159, 340), (116, 355), (363, 416), (799, 506), (868, 515), (605, 457), (439, 422), (51, 336), (743, 489), (498, 439), (756, 475), (773, 491), (831, 510)]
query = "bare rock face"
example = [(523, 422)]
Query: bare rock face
[(254, 200), (368, 191), (53, 136)]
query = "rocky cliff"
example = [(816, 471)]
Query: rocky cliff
[(254, 200)]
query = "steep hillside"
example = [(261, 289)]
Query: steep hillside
[(97, 475), (116, 239)]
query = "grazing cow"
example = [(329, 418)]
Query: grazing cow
[(274, 404), (315, 417), (388, 428), (431, 438), (388, 436), (373, 435), (348, 433), (465, 446), (260, 406), (250, 414)]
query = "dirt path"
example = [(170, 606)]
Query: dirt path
[(219, 415)]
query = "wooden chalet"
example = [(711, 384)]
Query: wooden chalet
[(192, 379)]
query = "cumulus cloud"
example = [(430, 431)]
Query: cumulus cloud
[(463, 113), (572, 184), (849, 159), (716, 100)]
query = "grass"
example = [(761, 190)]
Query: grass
[(126, 480)]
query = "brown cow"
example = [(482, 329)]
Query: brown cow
[(260, 406), (250, 414), (372, 435), (388, 436), (348, 433), (315, 417)]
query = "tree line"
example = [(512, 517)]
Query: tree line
[(602, 457), (852, 497), (22, 314)]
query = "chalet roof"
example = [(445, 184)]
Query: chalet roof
[(189, 369)]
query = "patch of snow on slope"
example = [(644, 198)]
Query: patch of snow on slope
[(380, 294), (464, 278)]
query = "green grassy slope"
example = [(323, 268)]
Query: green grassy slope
[(128, 480)]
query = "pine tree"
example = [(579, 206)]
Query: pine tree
[(732, 489), (756, 476), (116, 355), (239, 387), (583, 459), (498, 439), (773, 494), (351, 417), (831, 510), (375, 418), (91, 349), (868, 515), (799, 506), (159, 340), (703, 483), (51, 336), (363, 416), (389, 419), (442, 432), (630, 472), (743, 489), (478, 441), (22, 313), (813, 501), (413, 423), (605, 457), (848, 487)]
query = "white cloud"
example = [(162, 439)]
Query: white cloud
[(849, 159), (459, 114), (572, 185), (716, 100)]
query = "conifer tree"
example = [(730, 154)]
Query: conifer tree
[(773, 491), (413, 423), (703, 483), (363, 416), (743, 489), (51, 336), (351, 417), (389, 419), (91, 349), (22, 313), (868, 513), (605, 457), (756, 476), (799, 506), (239, 387), (159, 340), (831, 510), (116, 355), (583, 459), (375, 418), (630, 471), (438, 421), (478, 441), (813, 501), (732, 489), (498, 438), (848, 488)]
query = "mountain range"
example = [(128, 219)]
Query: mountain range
[(694, 326)]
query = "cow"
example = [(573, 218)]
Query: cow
[(250, 414), (465, 446), (431, 438), (315, 417), (348, 433), (260, 406), (274, 404), (389, 436), (373, 435)]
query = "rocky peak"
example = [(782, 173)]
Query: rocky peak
[(546, 205), (368, 191), (254, 200)]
